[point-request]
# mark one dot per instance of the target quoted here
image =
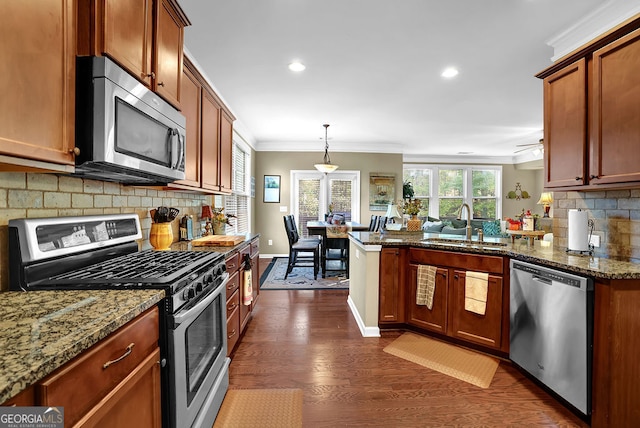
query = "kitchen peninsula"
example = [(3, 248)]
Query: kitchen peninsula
[(381, 289)]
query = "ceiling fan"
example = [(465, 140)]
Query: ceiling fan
[(530, 146)]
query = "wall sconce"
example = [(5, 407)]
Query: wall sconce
[(546, 200), (206, 214)]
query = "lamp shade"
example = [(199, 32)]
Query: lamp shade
[(206, 212), (392, 212), (326, 167), (545, 199)]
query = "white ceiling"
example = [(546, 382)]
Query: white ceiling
[(373, 71)]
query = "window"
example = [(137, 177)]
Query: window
[(313, 192), (444, 188), (238, 202)]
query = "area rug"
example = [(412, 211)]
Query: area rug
[(300, 278), (472, 367), (260, 408)]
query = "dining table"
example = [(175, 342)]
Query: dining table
[(334, 237)]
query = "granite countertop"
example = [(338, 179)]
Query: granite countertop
[(42, 330), (541, 252), (226, 250)]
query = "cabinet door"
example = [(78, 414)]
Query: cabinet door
[(210, 141), (168, 53), (191, 104), (128, 35), (135, 402), (481, 329), (615, 118), (226, 156), (434, 319), (37, 81), (565, 126), (255, 273), (391, 301)]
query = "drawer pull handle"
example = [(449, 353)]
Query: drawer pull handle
[(232, 307), (120, 358), (233, 333)]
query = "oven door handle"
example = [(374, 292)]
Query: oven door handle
[(192, 313)]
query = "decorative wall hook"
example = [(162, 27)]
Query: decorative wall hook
[(518, 193)]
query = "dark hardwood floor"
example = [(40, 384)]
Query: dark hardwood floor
[(309, 340)]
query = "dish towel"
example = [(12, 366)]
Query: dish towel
[(476, 285), (247, 296), (426, 285)]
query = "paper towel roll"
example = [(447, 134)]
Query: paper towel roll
[(578, 236)]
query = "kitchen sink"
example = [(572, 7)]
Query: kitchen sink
[(464, 243)]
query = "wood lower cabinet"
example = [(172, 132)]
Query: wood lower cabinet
[(448, 316), (434, 319), (239, 314), (37, 82), (591, 106), (114, 383), (143, 36), (485, 330), (391, 293)]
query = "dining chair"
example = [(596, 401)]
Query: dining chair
[(381, 223), (336, 250), (373, 224), (302, 253)]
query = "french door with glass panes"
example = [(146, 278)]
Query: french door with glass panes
[(312, 192)]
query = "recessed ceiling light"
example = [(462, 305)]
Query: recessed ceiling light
[(296, 66), (449, 72)]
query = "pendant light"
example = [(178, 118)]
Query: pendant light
[(326, 166)]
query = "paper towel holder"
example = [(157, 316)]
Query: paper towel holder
[(591, 225)]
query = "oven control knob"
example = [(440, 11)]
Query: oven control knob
[(199, 288), (189, 294), (208, 279)]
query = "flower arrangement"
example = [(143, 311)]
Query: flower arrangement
[(221, 218), (411, 206)]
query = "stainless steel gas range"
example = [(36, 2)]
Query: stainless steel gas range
[(101, 252)]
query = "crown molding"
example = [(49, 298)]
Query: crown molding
[(601, 20), (335, 147)]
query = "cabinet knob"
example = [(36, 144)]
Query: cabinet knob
[(152, 75), (75, 151), (593, 177), (578, 178), (160, 83)]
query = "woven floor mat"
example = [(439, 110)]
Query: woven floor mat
[(261, 408)]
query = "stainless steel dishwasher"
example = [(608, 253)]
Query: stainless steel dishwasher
[(551, 320)]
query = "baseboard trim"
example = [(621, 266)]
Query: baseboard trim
[(364, 330)]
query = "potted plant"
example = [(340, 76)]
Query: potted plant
[(412, 207), (219, 220), (407, 190)]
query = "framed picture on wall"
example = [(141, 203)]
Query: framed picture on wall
[(271, 188), (382, 190)]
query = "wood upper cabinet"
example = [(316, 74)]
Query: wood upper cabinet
[(143, 36), (565, 126), (434, 319), (208, 165), (591, 110), (37, 86), (191, 108), (210, 142), (615, 116)]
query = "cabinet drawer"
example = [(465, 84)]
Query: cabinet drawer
[(232, 284), (233, 303), (233, 263), (233, 330), (255, 247), (25, 398), (84, 381), (472, 262)]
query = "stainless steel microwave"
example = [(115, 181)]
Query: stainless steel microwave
[(124, 131)]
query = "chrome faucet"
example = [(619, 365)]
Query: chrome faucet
[(468, 228)]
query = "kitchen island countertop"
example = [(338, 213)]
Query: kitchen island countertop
[(40, 331), (541, 252)]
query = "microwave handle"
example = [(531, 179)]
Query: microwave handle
[(179, 160)]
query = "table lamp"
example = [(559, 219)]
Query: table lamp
[(207, 213), (392, 214), (546, 200)]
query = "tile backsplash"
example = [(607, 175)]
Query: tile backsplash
[(616, 215), (26, 195)]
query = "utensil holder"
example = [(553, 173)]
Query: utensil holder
[(161, 236)]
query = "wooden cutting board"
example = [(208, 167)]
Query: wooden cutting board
[(218, 240)]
